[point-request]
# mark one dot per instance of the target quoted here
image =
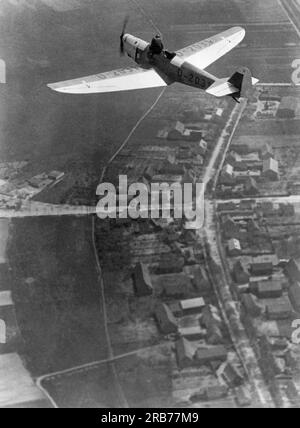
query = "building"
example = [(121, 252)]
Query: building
[(288, 108), (253, 227), (193, 333), (269, 289), (250, 187), (279, 309), (185, 353), (234, 248), (142, 281), (240, 276), (212, 321), (229, 374), (205, 356), (202, 147), (251, 305), (294, 295), (243, 397), (165, 319), (56, 175), (192, 306), (292, 271), (227, 206), (210, 393), (227, 175), (270, 169), (247, 205), (233, 159), (198, 277), (230, 228), (286, 210), (261, 269), (267, 152), (178, 132)]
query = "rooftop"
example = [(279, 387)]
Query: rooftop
[(5, 299)]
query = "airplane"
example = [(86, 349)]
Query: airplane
[(157, 67)]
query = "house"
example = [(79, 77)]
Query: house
[(149, 173), (247, 205), (229, 374), (269, 289), (165, 319), (233, 159), (198, 277), (205, 356), (202, 147), (294, 295), (210, 393), (142, 281), (267, 152), (227, 175), (192, 306), (266, 209), (250, 187), (185, 352), (271, 169), (240, 276), (288, 108), (56, 175), (253, 227), (279, 309), (261, 269), (234, 248), (212, 321), (243, 396), (292, 271), (193, 333), (286, 210), (226, 206), (230, 228), (169, 168), (251, 305), (177, 133)]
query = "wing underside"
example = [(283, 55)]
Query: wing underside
[(208, 51), (119, 80)]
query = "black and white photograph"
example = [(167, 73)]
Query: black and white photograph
[(149, 207)]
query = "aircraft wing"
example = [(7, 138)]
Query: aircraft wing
[(208, 51), (125, 79)]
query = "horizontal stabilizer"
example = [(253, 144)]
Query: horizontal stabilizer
[(239, 85)]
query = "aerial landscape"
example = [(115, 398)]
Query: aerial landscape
[(148, 313)]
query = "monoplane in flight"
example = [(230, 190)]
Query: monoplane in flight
[(157, 67)]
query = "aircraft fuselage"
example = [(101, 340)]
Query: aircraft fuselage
[(170, 67)]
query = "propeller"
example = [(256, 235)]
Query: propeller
[(122, 35)]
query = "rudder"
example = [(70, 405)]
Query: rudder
[(242, 80)]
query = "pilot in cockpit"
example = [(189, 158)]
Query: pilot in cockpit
[(156, 47)]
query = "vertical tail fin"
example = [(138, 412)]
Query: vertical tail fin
[(243, 81)]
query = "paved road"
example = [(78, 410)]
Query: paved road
[(230, 308)]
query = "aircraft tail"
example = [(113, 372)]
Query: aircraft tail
[(240, 84), (243, 81)]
